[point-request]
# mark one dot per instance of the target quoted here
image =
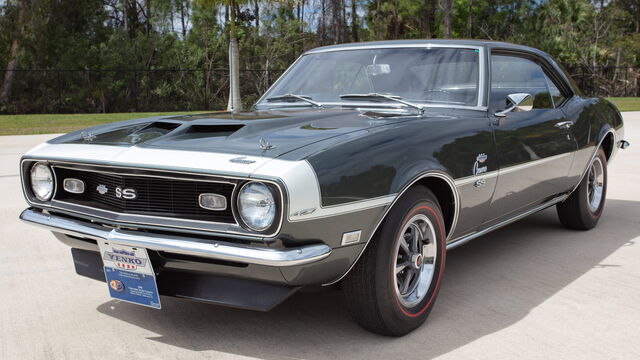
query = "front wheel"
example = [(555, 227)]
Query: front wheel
[(584, 207), (393, 287)]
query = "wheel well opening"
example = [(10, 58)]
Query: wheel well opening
[(607, 145), (444, 194)]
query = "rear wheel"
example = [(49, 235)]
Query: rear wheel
[(393, 287), (583, 209)]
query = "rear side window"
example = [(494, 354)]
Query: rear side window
[(512, 74)]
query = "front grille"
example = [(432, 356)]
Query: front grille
[(155, 196)]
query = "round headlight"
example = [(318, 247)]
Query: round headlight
[(42, 181), (256, 206)]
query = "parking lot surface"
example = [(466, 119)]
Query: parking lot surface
[(532, 290)]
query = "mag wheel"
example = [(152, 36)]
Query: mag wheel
[(595, 185), (393, 287), (415, 260), (583, 209)]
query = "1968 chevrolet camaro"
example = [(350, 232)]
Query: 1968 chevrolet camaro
[(361, 166)]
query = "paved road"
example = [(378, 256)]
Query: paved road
[(532, 290)]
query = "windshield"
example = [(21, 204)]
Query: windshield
[(429, 76)]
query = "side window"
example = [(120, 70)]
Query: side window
[(512, 74), (556, 95)]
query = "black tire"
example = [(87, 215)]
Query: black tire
[(370, 288), (577, 212)]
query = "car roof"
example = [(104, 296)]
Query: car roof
[(458, 42)]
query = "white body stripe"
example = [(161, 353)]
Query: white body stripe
[(303, 190), (179, 160), (528, 164), (507, 170)]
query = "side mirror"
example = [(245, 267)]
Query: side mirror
[(519, 102)]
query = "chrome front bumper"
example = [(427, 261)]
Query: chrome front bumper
[(178, 244)]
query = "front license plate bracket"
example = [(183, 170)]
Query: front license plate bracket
[(129, 274)]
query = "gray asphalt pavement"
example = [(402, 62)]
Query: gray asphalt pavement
[(531, 290)]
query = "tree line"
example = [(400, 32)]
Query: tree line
[(97, 55)]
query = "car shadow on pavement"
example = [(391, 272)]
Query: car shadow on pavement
[(490, 284)]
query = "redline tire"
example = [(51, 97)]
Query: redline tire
[(373, 288)]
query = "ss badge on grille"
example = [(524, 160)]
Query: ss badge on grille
[(127, 194)]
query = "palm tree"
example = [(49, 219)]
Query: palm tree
[(446, 6), (235, 101), (7, 83)]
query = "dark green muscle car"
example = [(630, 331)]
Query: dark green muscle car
[(361, 166)]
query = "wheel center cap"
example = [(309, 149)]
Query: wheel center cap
[(416, 261)]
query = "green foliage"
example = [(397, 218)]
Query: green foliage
[(133, 42)]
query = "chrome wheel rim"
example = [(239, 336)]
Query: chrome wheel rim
[(595, 184), (415, 259)]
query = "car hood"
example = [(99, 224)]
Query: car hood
[(263, 133)]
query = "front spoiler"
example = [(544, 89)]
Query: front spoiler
[(179, 244)]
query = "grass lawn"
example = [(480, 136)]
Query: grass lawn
[(63, 123), (626, 103)]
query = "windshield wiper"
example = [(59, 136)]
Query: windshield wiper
[(291, 97), (371, 96)]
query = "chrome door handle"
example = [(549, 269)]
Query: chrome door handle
[(564, 124)]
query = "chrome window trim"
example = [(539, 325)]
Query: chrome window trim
[(369, 106), (430, 173), (482, 66), (553, 101), (365, 46), (135, 219)]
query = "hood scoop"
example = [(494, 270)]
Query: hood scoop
[(197, 133), (213, 130)]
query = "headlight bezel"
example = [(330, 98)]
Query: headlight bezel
[(32, 192), (277, 201)]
